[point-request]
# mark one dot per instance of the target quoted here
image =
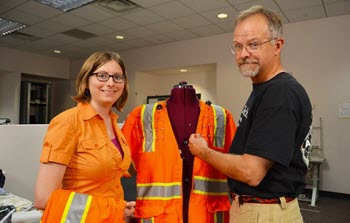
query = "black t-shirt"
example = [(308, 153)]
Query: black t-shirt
[(276, 124)]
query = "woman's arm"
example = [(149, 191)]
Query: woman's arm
[(50, 176)]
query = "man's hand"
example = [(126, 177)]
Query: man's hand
[(129, 210), (198, 146)]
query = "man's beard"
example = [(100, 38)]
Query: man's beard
[(249, 67)]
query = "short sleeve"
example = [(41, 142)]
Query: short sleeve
[(273, 132), (60, 142)]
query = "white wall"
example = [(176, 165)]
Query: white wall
[(20, 149), (30, 63), (10, 87), (317, 52), (203, 82)]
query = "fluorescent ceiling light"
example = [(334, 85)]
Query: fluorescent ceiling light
[(183, 70), (65, 5), (7, 26), (119, 37)]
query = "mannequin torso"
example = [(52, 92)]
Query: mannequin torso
[(183, 109)]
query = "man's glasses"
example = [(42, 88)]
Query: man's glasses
[(250, 47), (104, 77)]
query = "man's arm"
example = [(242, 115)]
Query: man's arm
[(246, 168)]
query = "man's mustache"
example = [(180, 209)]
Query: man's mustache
[(248, 61)]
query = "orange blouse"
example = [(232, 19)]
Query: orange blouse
[(78, 139)]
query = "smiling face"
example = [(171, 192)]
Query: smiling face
[(105, 94), (254, 30)]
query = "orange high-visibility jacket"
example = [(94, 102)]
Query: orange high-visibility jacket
[(68, 206), (157, 160)]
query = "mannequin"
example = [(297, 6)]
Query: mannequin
[(183, 110), (171, 184)]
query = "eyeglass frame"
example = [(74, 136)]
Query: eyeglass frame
[(249, 45), (121, 78)]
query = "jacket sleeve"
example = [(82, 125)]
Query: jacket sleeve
[(132, 130), (230, 130)]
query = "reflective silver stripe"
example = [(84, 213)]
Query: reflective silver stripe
[(220, 126), (159, 191), (148, 220), (210, 186), (77, 208), (147, 126), (219, 217)]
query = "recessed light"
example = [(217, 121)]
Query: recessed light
[(119, 37), (183, 70), (57, 51), (222, 16)]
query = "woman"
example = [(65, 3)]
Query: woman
[(84, 152)]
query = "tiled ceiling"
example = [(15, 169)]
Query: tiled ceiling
[(153, 22)]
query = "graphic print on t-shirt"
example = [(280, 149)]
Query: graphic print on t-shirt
[(306, 148), (244, 113)]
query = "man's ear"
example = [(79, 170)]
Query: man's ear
[(279, 44)]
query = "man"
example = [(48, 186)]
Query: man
[(269, 154)]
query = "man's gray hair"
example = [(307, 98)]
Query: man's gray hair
[(274, 21)]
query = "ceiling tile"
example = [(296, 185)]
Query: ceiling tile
[(118, 23), (226, 26), (97, 29), (205, 5), (296, 15), (212, 15), (297, 4), (59, 37), (22, 17), (337, 7), (156, 22), (52, 26), (39, 10), (139, 32), (143, 17), (207, 30), (9, 41), (172, 10), (36, 31), (70, 20), (270, 4), (92, 13), (164, 27), (127, 36), (139, 43), (150, 3), (182, 35), (12, 3), (44, 44), (191, 21), (159, 39)]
